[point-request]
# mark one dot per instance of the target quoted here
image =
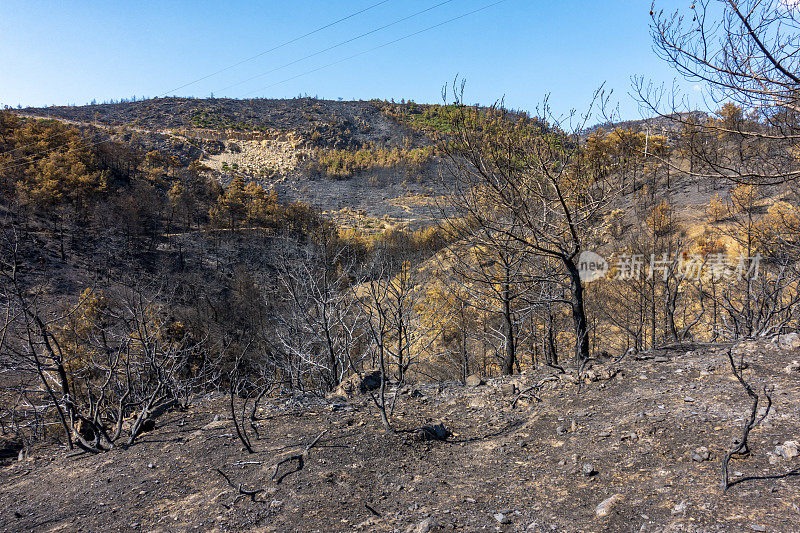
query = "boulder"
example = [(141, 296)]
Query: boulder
[(360, 383), (507, 389), (10, 447), (474, 380), (433, 432), (788, 450), (789, 341)]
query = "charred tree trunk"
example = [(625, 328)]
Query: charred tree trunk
[(510, 355), (580, 323)]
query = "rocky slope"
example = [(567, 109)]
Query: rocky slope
[(635, 447), (275, 142)]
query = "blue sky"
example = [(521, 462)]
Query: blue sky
[(60, 52)]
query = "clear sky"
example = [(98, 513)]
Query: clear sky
[(71, 52)]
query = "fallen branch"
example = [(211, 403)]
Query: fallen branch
[(240, 431), (240, 488), (300, 458), (530, 390), (740, 447)]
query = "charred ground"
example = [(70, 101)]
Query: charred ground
[(544, 459)]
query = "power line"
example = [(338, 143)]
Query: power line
[(364, 52), (243, 61), (282, 45), (370, 32), (380, 46)]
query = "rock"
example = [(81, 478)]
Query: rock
[(756, 527), (788, 450), (501, 518), (433, 432), (608, 373), (606, 506), (588, 470), (661, 359), (561, 430), (790, 341), (423, 527), (679, 509), (507, 389), (474, 380), (216, 424), (701, 454), (10, 447), (589, 376), (793, 367), (360, 383), (477, 403)]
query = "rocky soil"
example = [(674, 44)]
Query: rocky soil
[(635, 447)]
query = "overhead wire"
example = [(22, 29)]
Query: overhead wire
[(328, 65), (364, 52), (251, 58), (337, 45), (277, 47)]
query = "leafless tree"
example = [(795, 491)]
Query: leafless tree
[(520, 178), (323, 324), (744, 52)]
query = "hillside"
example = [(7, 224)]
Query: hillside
[(170, 258), (285, 145), (543, 457), (279, 144)]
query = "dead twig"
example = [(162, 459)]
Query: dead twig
[(300, 458), (240, 488), (740, 447), (529, 392)]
